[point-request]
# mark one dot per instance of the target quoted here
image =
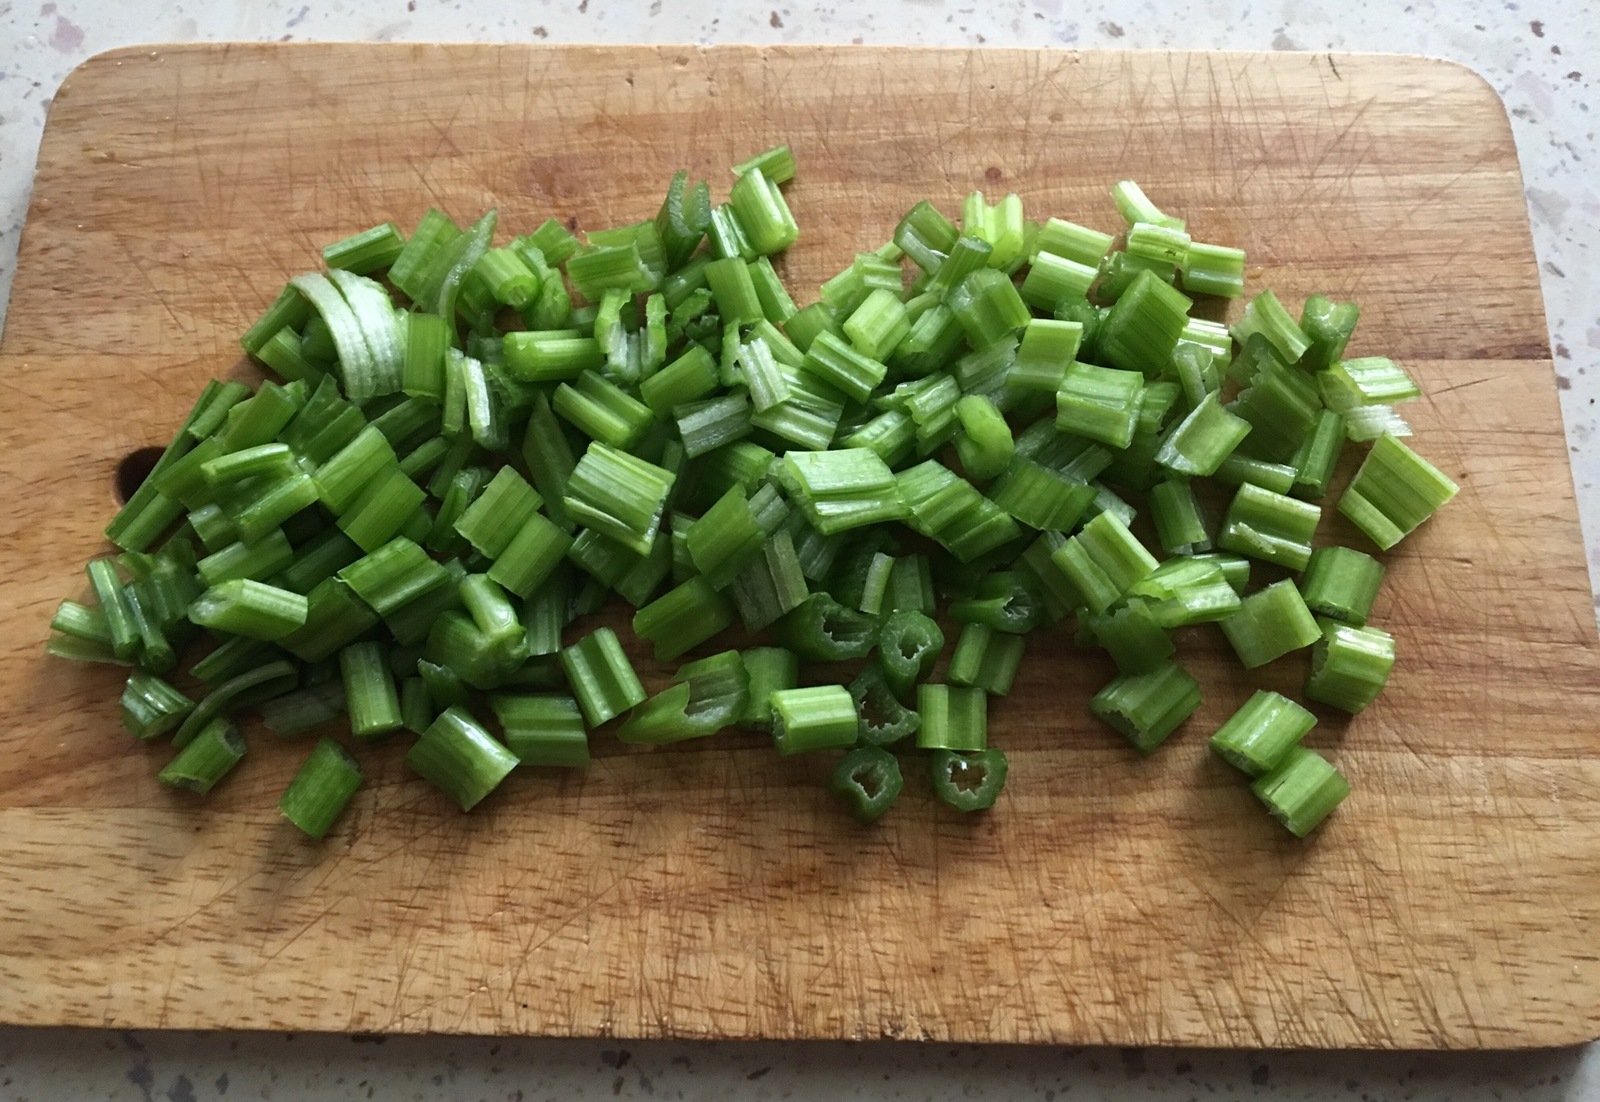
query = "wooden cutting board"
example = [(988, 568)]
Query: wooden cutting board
[(714, 890)]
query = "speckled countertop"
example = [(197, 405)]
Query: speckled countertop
[(1543, 56)]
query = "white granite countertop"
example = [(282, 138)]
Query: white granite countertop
[(1543, 56)]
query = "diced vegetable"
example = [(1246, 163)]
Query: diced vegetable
[(452, 473)]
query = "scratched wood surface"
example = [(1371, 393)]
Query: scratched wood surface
[(713, 890)]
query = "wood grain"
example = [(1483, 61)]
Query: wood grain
[(713, 891)]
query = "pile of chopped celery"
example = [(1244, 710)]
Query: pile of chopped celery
[(977, 429)]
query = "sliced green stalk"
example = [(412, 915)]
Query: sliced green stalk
[(1328, 326), (768, 669), (843, 489), (909, 645), (619, 495), (459, 756), (544, 614), (853, 372), (412, 622), (507, 277), (1132, 634), (484, 644), (549, 459), (370, 695), (1235, 568), (690, 377), (321, 789), (1319, 455), (878, 325), (926, 236), (1194, 366), (1054, 279), (341, 479), (1198, 444), (324, 425), (761, 212), (1057, 594), (1269, 624), (882, 720), (1046, 349), (819, 718), (1135, 206), (258, 560), (74, 649), (1144, 325), (366, 252), (1282, 407), (706, 696), (1103, 561), (868, 780), (875, 584), (1341, 584), (1350, 665), (416, 705), (984, 444), (1266, 315), (601, 677), (543, 729), (238, 466), (493, 520), (1269, 526), (384, 507), (198, 767), (390, 577), (969, 254), (249, 608), (531, 557), (682, 220), (263, 682), (968, 781), (289, 310), (486, 420), (1213, 270), (1364, 423), (682, 618), (823, 630), (1302, 791), (1146, 708), (934, 339), (1040, 497), (1075, 242), (156, 653), (231, 658), (151, 707), (1099, 403), (1365, 381), (1005, 600), (704, 427), (1242, 470), (1393, 492), (410, 268), (113, 601), (772, 584), (1262, 733), (1180, 526), (761, 373), (726, 539), (986, 659), (81, 622), (953, 718), (988, 307)]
